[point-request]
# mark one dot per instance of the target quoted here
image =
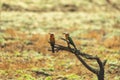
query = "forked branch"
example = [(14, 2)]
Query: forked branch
[(98, 71)]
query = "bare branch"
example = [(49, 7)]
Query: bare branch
[(95, 71), (63, 39), (99, 71), (104, 62), (78, 54)]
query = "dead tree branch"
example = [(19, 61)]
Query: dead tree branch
[(98, 71)]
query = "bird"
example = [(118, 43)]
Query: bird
[(52, 41), (69, 40)]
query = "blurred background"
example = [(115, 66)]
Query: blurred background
[(94, 26), (41, 16)]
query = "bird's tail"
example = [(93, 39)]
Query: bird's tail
[(75, 47), (53, 48)]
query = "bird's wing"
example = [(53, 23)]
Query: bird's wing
[(71, 41)]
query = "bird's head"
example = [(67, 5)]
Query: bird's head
[(66, 35), (51, 35)]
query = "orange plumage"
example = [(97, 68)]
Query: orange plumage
[(66, 36), (52, 41)]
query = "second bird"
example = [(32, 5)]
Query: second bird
[(52, 41), (69, 40)]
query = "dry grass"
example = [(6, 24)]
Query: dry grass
[(18, 54), (24, 48), (113, 42)]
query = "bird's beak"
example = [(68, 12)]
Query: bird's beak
[(51, 33), (64, 32)]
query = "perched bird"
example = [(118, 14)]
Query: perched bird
[(52, 41), (69, 40)]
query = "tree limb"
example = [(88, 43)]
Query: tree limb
[(99, 71)]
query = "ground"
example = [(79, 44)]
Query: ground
[(24, 34)]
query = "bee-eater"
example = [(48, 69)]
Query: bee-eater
[(52, 41), (69, 40)]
